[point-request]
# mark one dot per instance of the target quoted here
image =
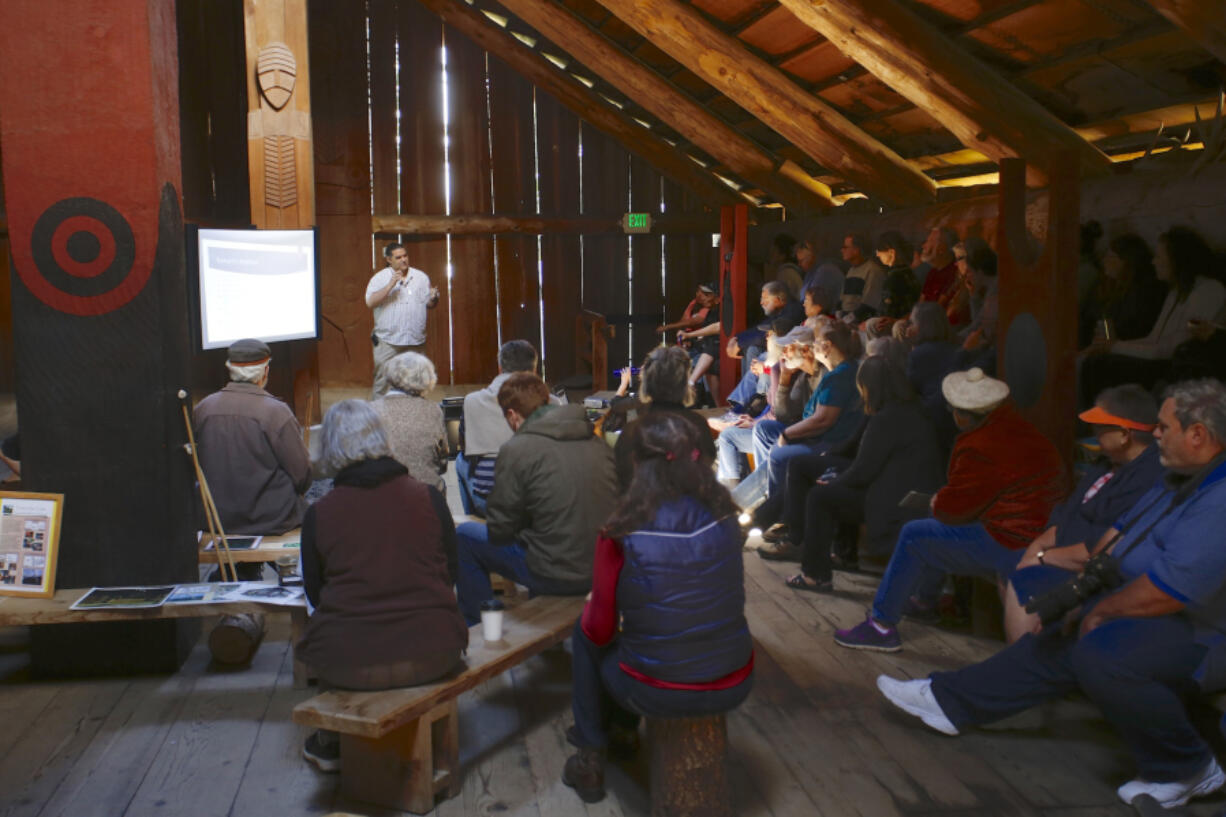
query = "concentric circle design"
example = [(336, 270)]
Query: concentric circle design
[(84, 253)]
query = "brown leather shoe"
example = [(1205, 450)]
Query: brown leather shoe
[(584, 772), (783, 551)]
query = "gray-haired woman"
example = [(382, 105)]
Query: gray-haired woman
[(378, 564), (413, 424)]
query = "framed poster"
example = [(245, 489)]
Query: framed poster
[(29, 543)]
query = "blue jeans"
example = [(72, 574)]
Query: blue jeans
[(472, 503), (927, 549), (478, 557), (601, 694), (774, 457), (750, 385), (1133, 669), (729, 446)]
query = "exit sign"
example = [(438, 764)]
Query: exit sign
[(636, 223)]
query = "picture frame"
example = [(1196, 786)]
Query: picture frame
[(29, 543)]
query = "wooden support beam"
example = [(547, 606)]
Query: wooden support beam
[(421, 224), (1202, 20), (941, 78), (583, 102), (768, 94), (661, 98)]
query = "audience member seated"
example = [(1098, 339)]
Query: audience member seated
[(662, 389), (1126, 298), (822, 276), (664, 632), (933, 356), (485, 428), (554, 485), (703, 344), (1004, 479), (780, 313), (892, 349), (901, 289), (979, 336), (1089, 264), (831, 416), (696, 311), (782, 266), (937, 253), (957, 299), (251, 450), (378, 562), (1186, 262), (898, 453), (1134, 649), (863, 266), (413, 424), (1123, 420), (852, 309)]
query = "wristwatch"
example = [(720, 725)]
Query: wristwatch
[(1040, 556)]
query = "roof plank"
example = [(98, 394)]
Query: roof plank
[(766, 93), (978, 106)]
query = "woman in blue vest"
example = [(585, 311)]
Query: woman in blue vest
[(668, 565)]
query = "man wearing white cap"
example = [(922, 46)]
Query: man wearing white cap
[(1004, 479)]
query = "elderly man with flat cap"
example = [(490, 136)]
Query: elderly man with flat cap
[(251, 448)]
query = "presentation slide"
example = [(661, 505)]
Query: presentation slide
[(256, 284)]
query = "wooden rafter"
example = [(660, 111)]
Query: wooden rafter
[(1203, 20), (768, 94), (580, 100), (532, 224), (941, 78), (672, 107)]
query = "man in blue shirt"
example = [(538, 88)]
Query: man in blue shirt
[(1131, 650)]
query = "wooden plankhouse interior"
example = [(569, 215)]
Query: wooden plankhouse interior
[(503, 143)]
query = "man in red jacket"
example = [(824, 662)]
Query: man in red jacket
[(1004, 479)]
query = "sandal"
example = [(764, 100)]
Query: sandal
[(798, 582)]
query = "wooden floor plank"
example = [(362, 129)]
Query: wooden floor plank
[(277, 780), (204, 756), (51, 744)]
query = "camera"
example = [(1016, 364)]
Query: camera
[(1101, 573)]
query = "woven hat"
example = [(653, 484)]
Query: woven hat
[(973, 390)]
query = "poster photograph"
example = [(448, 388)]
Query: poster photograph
[(29, 543)]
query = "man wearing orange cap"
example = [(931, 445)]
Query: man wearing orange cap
[(1123, 421)]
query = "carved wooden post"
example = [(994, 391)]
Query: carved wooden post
[(280, 159), (1038, 299)]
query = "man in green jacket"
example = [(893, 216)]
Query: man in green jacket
[(555, 484)]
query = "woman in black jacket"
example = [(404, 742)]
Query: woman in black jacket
[(898, 453)]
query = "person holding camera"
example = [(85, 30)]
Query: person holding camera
[(1123, 421), (1144, 621)]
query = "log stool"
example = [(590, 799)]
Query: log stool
[(688, 776)]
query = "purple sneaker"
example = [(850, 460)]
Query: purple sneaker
[(869, 635)]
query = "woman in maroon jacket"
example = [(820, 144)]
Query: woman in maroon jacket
[(1004, 479), (378, 563)]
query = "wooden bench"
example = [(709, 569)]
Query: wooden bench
[(270, 548), (400, 747), (27, 612)]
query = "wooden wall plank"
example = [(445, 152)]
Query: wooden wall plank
[(342, 177), (606, 178), (557, 133), (473, 295), (515, 192), (421, 160), (647, 294)]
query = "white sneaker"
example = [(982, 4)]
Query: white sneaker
[(1170, 795), (916, 698)]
